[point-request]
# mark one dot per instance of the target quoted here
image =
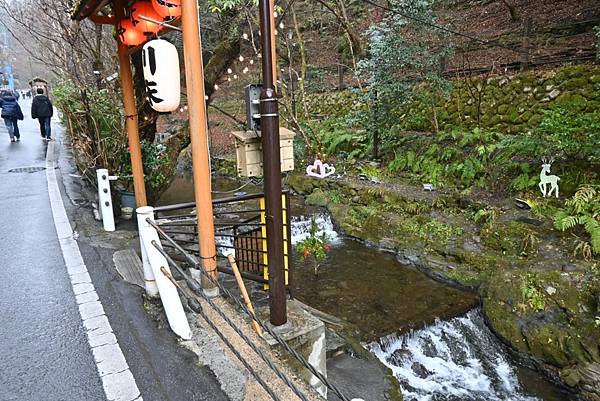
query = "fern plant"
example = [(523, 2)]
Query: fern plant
[(582, 211)]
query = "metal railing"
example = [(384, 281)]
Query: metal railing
[(240, 229), (193, 303)]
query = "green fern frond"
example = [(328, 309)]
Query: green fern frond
[(563, 221)]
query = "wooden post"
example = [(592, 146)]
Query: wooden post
[(131, 117), (244, 292), (194, 80)]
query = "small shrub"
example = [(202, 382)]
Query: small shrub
[(532, 293), (314, 247)]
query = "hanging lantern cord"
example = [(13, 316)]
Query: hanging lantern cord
[(162, 23)]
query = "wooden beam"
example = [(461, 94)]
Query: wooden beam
[(194, 81), (103, 20), (131, 117), (166, 29)]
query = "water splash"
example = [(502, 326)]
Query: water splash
[(225, 243), (300, 225), (452, 360)]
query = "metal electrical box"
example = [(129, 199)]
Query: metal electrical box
[(248, 150), (253, 107)]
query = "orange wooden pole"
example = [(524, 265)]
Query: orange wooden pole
[(194, 79), (131, 118)]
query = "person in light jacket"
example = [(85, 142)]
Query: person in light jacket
[(11, 113), (42, 109)]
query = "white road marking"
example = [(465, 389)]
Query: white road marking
[(117, 381)]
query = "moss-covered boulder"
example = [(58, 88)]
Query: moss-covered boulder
[(551, 317)]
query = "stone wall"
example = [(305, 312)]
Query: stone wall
[(506, 103)]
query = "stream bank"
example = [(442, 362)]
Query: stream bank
[(536, 297)]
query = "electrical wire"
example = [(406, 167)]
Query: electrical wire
[(441, 28)]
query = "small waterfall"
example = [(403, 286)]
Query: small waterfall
[(452, 360), (301, 226), (225, 243)]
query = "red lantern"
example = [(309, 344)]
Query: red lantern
[(167, 9), (144, 9), (128, 34)]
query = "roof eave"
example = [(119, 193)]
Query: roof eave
[(85, 8)]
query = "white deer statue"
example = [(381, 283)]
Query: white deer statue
[(546, 179)]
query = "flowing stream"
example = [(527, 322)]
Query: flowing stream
[(442, 351), (458, 359)]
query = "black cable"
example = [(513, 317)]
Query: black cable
[(252, 315), (442, 28), (193, 285), (197, 307)]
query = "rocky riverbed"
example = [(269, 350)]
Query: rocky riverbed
[(536, 296)]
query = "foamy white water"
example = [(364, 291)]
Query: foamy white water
[(300, 226), (451, 360)]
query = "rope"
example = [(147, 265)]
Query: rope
[(252, 315), (193, 285)]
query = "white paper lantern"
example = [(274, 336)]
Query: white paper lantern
[(160, 63)]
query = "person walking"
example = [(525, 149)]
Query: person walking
[(41, 108), (11, 113)]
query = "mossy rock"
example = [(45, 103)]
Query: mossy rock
[(592, 106), (513, 116), (503, 237), (577, 70), (317, 198), (301, 184), (574, 84), (547, 341), (526, 115), (500, 299)]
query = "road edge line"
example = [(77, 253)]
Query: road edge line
[(117, 380)]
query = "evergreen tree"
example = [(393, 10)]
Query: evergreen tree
[(405, 59)]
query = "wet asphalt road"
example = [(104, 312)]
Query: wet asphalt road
[(44, 352)]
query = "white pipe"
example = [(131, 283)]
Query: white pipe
[(168, 293), (104, 198), (143, 213)]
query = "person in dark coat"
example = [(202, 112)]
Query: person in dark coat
[(41, 108), (11, 113)]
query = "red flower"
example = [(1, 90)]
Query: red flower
[(326, 247), (306, 253)]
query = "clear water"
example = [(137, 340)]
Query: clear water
[(436, 356)]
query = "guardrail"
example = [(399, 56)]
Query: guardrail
[(240, 230), (194, 293)]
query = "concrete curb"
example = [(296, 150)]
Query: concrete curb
[(117, 380)]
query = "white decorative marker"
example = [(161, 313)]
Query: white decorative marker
[(319, 169), (546, 179)]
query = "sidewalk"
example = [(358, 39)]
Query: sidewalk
[(53, 348), (45, 353)]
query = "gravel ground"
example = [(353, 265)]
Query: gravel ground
[(235, 380)]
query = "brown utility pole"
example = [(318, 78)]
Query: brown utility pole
[(273, 42), (194, 80), (269, 122), (131, 117)]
